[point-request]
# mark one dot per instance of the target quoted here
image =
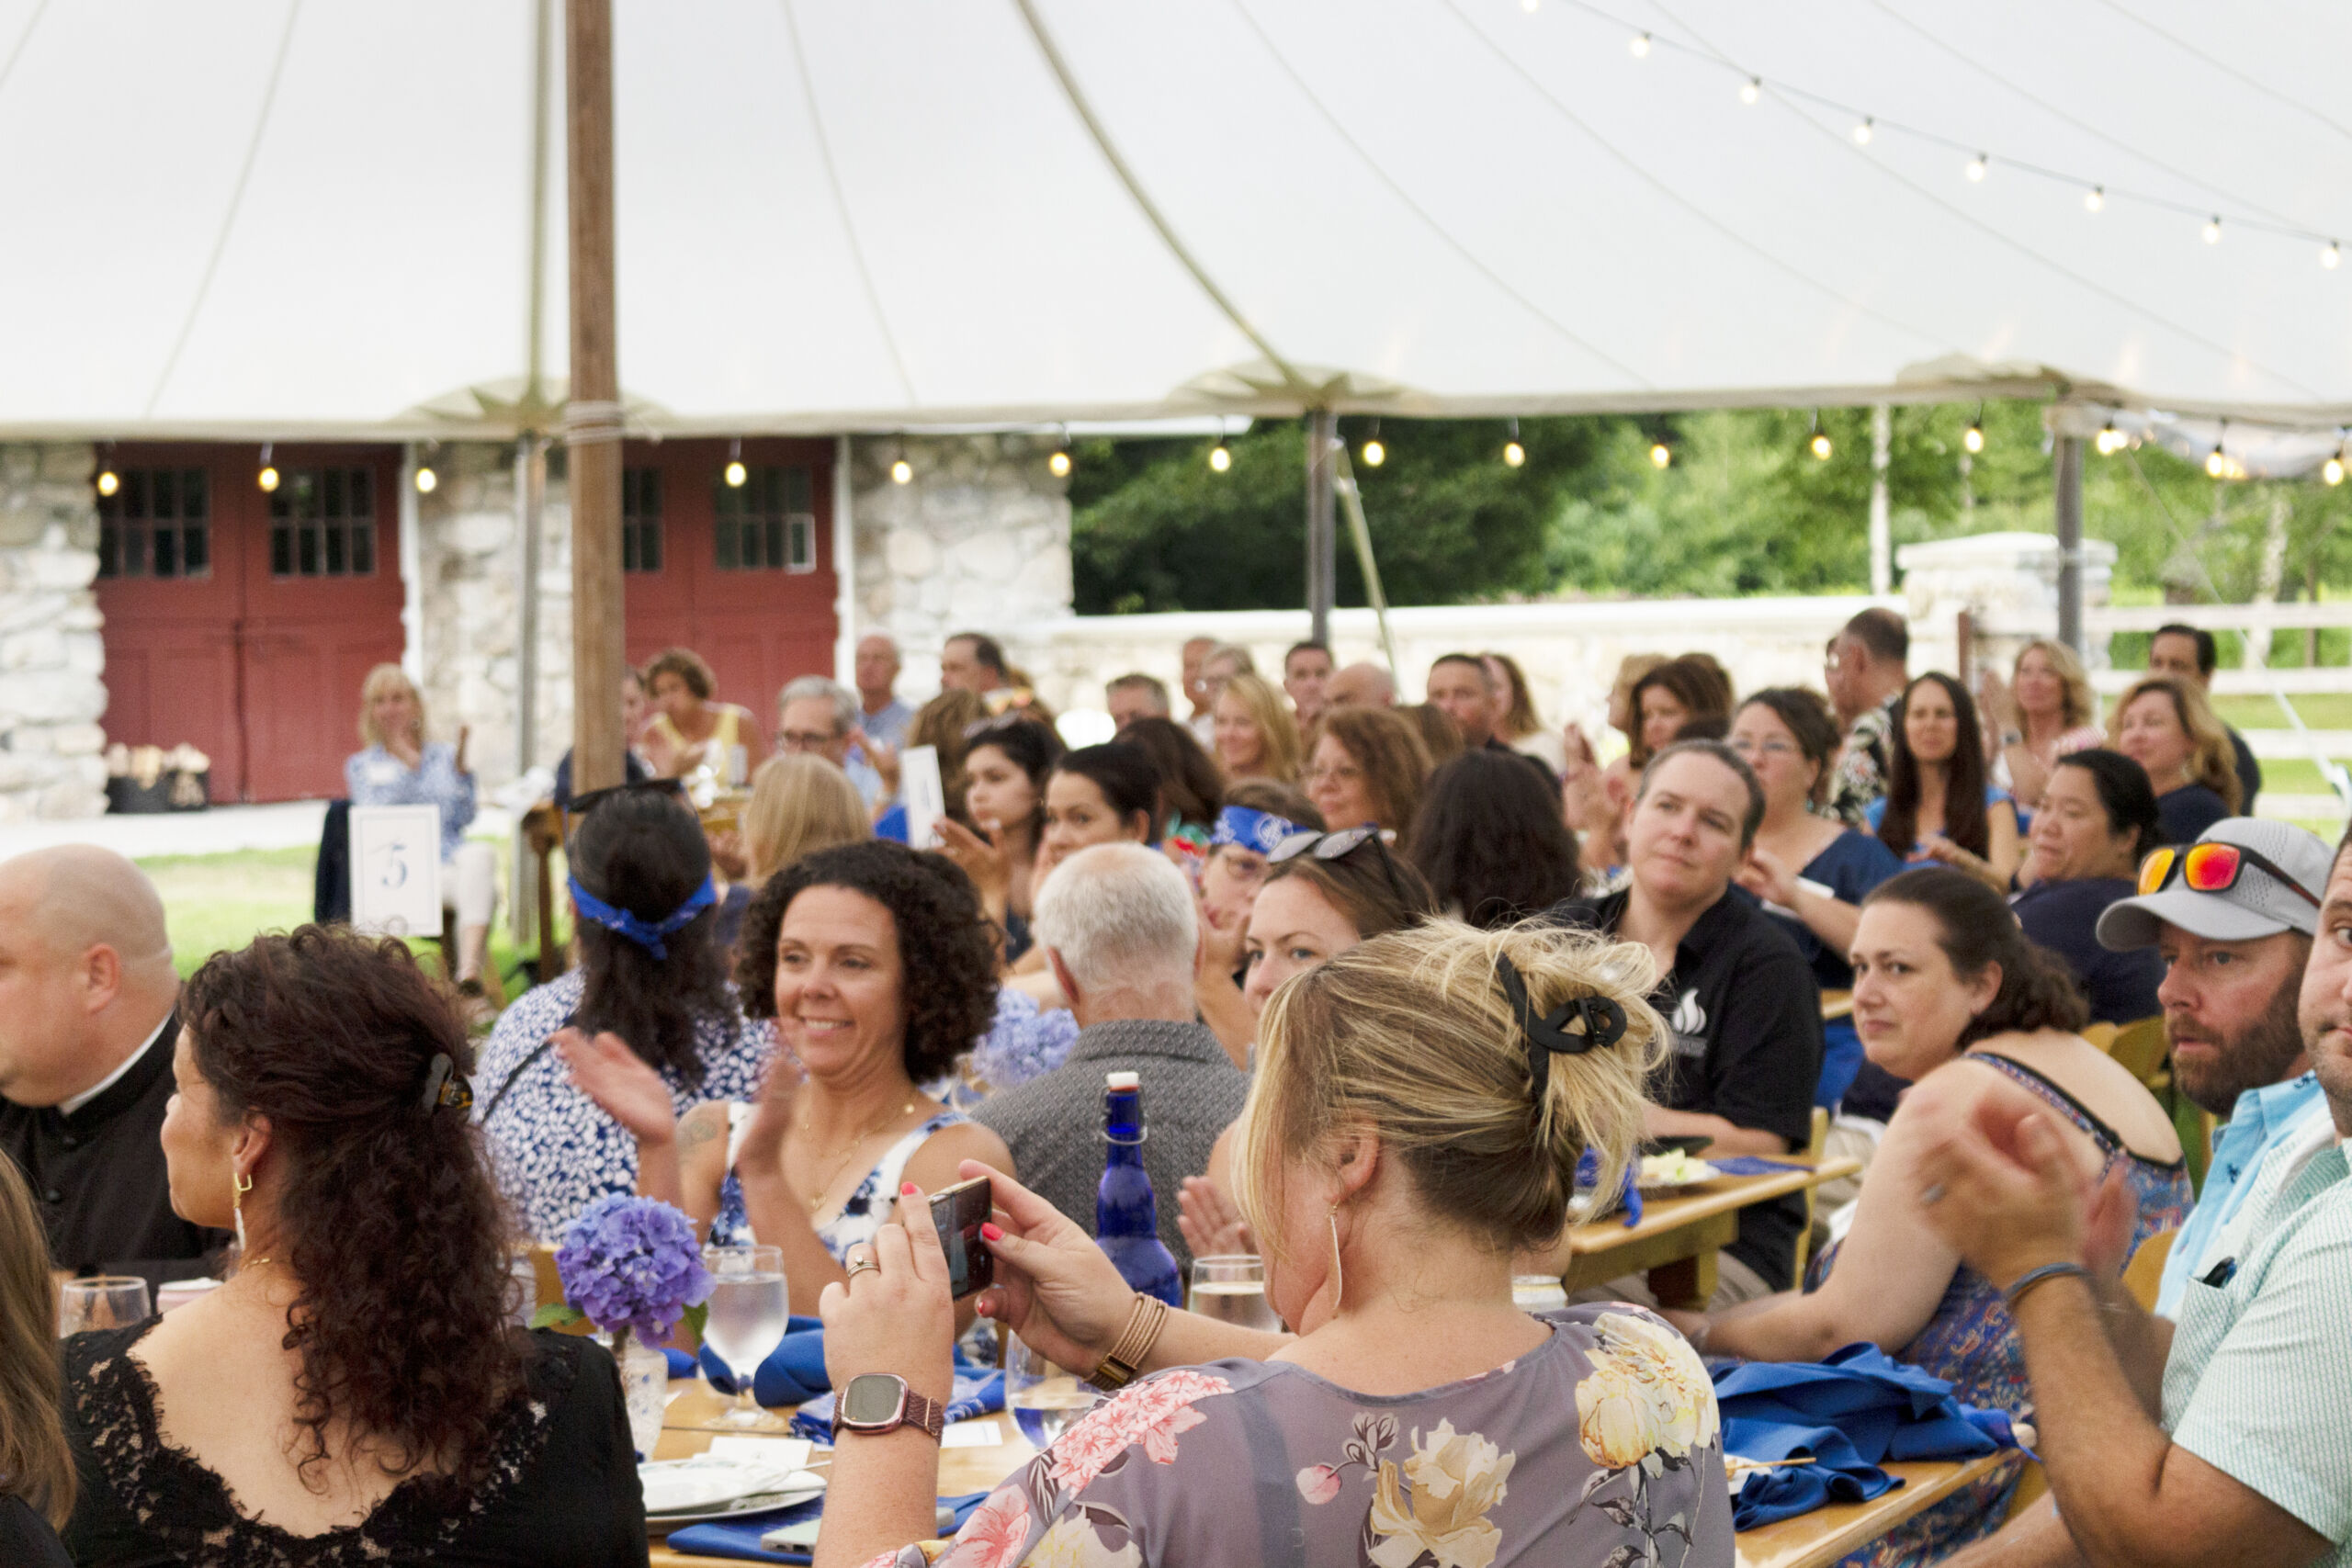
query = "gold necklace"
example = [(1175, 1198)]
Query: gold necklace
[(831, 1176)]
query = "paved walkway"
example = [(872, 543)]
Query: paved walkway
[(222, 829)]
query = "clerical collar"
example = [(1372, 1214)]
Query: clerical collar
[(68, 1106)]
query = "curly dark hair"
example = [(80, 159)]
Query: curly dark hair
[(642, 850), (1977, 928), (947, 945), (389, 1220), (1490, 841)]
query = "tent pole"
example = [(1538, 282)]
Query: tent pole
[(1881, 532), (1322, 531), (592, 420), (2068, 469), (530, 496)]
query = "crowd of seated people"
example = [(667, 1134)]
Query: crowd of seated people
[(1330, 933)]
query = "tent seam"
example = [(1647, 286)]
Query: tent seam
[(24, 40), (841, 207), (236, 203), (2225, 68)]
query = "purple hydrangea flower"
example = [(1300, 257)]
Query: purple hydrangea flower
[(632, 1263)]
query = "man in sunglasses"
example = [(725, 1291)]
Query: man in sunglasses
[(2232, 916)]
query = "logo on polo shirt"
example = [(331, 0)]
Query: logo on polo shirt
[(1688, 1025)]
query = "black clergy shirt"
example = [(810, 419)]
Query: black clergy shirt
[(97, 1177), (1745, 1015)]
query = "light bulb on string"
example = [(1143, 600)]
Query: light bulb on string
[(1661, 455), (1640, 46), (1058, 463), (1819, 446), (1374, 454), (427, 481), (1972, 437), (1976, 167), (267, 477), (108, 482), (902, 471), (1751, 90), (1220, 454), (1514, 455), (2095, 199), (1529, 5), (1863, 131), (736, 472), (2332, 471), (2214, 230), (2217, 462), (2111, 440), (2331, 256)]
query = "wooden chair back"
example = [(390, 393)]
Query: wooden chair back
[(2146, 1269), (2143, 1050), (2102, 1035)]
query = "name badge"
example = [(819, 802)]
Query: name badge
[(384, 770)]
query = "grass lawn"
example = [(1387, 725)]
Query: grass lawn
[(212, 902), (2321, 710)]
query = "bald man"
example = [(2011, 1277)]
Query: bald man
[(1365, 685), (87, 1027)]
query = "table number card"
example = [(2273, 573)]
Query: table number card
[(396, 870)]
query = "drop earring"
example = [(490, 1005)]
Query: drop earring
[(1339, 1273), (241, 1184)]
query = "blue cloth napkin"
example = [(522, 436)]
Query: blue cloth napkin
[(740, 1538), (792, 1373), (1850, 1413), (1751, 1165), (1589, 1175), (977, 1393)]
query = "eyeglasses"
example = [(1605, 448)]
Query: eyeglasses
[(807, 740), (1747, 748), (2213, 866), (1338, 846), (1341, 774)]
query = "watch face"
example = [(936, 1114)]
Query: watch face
[(872, 1400)]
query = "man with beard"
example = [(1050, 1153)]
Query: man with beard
[(2233, 924)]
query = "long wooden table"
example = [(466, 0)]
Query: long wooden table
[(1678, 1237), (1822, 1537)]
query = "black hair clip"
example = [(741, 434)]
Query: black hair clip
[(1569, 1030), (444, 1086)]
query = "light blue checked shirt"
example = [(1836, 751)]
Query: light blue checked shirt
[(2262, 1120)]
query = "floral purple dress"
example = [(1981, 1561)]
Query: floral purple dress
[(1599, 1447), (1973, 1342)]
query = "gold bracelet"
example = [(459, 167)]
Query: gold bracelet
[(1144, 1320)]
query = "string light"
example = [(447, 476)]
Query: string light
[(2214, 230), (1974, 437), (1514, 454), (1374, 454), (1863, 131), (1529, 5), (108, 481), (1060, 464), (2095, 199), (1751, 90), (2331, 256), (2332, 471), (1220, 454), (736, 473), (427, 481), (1640, 45), (1820, 444), (1976, 168), (2111, 440), (1660, 455), (902, 472), (267, 477), (2217, 462)]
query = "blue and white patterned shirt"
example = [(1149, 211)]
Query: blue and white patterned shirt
[(376, 777), (555, 1151)]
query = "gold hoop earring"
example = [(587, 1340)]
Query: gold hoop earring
[(240, 1184), (1339, 1273)]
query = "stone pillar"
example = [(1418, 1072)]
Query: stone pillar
[(977, 540), (470, 559), (52, 693), (2009, 584)]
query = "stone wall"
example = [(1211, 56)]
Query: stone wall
[(977, 540), (470, 564), (53, 660)]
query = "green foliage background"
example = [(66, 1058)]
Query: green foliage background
[(1743, 508)]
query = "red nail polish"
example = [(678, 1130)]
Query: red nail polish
[(991, 1233), (909, 1190)]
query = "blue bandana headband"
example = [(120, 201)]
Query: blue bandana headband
[(1259, 831), (646, 934)]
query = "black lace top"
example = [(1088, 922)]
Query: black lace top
[(562, 1487)]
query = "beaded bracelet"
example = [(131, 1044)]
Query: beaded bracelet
[(2032, 1277), (1134, 1342)]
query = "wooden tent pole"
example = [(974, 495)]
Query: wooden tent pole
[(591, 421)]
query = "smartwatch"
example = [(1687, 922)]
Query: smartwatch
[(874, 1402)]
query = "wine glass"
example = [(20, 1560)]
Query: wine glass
[(1233, 1290), (1043, 1398), (749, 1313), (100, 1301)]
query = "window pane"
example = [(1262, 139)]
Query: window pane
[(332, 500), (307, 562), (335, 535), (804, 544), (363, 549), (281, 549), (196, 549), (193, 498), (167, 563)]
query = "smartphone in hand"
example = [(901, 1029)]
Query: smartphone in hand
[(957, 1212)]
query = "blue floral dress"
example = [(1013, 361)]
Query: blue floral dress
[(1600, 1445), (1973, 1342), (862, 1213), (554, 1150)]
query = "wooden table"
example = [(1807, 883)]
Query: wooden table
[(1678, 1237), (687, 1431), (1822, 1537)]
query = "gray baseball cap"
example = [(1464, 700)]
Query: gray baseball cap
[(2257, 905)]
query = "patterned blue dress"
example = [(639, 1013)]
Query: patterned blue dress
[(555, 1151), (862, 1213), (1974, 1343)]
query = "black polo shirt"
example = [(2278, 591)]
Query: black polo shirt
[(99, 1180), (1744, 1017)]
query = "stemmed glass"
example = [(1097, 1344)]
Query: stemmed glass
[(749, 1313), (100, 1301)]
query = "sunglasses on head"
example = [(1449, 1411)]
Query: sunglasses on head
[(2212, 867), (1338, 846)]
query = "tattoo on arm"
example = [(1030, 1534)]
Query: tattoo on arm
[(698, 1129)]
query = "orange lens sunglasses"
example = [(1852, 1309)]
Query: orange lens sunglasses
[(2214, 867)]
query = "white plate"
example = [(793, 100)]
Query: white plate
[(678, 1491)]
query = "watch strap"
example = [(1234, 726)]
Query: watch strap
[(927, 1415)]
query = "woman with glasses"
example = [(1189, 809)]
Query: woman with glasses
[(1368, 765), (1490, 841), (1811, 870), (2097, 821), (651, 982)]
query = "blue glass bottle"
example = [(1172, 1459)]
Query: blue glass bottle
[(1126, 1213)]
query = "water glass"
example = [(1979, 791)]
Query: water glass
[(1043, 1398), (749, 1310), (1233, 1290), (100, 1301)]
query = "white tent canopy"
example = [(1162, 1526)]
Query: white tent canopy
[(277, 218)]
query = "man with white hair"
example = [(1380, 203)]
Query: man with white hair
[(1119, 928), (819, 716), (87, 1027), (883, 716)]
